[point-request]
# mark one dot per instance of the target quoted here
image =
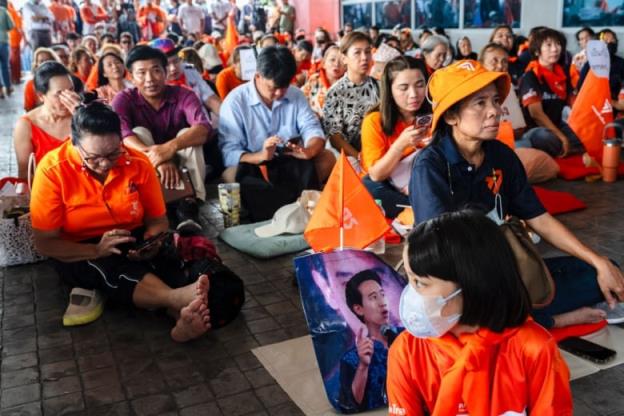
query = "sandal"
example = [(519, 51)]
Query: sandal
[(85, 306)]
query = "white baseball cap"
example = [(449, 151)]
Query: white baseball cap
[(289, 219)]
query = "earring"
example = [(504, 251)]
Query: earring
[(83, 167)]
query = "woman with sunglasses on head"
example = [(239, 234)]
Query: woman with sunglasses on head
[(466, 165), (470, 346), (90, 198), (49, 125), (394, 130)]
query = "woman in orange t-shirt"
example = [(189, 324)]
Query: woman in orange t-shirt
[(470, 346), (47, 126), (92, 196), (394, 130)]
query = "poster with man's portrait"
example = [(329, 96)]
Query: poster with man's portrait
[(351, 302)]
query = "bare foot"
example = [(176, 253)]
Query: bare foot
[(182, 296), (201, 290), (194, 321), (579, 316)]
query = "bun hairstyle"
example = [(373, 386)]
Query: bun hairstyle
[(94, 117)]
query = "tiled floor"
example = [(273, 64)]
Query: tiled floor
[(125, 363)]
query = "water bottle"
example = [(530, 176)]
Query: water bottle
[(379, 246)]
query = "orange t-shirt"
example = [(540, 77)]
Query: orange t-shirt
[(67, 198), (226, 81), (483, 373), (92, 80), (375, 143), (60, 12), (90, 17), (147, 13), (14, 35), (30, 95)]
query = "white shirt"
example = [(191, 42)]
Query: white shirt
[(220, 9), (31, 10), (195, 81), (190, 17)]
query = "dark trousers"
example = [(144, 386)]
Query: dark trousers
[(575, 287), (543, 139), (16, 65), (388, 195), (40, 39)]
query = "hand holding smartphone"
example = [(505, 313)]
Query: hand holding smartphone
[(148, 247)]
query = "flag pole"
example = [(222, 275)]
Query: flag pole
[(341, 196)]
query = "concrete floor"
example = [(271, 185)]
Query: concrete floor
[(126, 364)]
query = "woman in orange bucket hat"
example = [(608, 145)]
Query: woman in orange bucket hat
[(465, 165)]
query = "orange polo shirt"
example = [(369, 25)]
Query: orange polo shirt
[(375, 143), (66, 197), (483, 373), (226, 81)]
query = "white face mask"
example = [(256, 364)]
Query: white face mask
[(422, 315), (496, 214)]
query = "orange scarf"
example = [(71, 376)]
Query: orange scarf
[(180, 82), (555, 79), (469, 380), (323, 78)]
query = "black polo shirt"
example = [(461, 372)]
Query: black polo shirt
[(442, 181), (533, 90)]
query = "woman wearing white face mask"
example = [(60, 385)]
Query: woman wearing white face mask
[(469, 345)]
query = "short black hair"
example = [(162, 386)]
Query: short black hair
[(72, 36), (305, 45), (374, 27), (94, 117), (278, 64), (540, 36), (467, 248), (45, 72), (108, 36), (145, 53), (585, 29), (352, 289)]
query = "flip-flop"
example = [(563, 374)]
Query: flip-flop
[(85, 306)]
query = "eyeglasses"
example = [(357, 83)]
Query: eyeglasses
[(95, 160)]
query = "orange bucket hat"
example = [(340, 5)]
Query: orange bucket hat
[(450, 85)]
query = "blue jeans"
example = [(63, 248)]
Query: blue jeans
[(543, 139), (388, 195), (5, 76), (575, 287)]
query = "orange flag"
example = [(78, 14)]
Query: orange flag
[(345, 205), (506, 133), (592, 109), (231, 36)]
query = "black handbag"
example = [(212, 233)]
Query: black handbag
[(284, 179)]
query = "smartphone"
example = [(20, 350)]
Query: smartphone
[(148, 244), (587, 349), (296, 141), (423, 121)]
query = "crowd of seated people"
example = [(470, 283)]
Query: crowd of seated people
[(181, 104)]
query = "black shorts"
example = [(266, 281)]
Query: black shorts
[(117, 276)]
